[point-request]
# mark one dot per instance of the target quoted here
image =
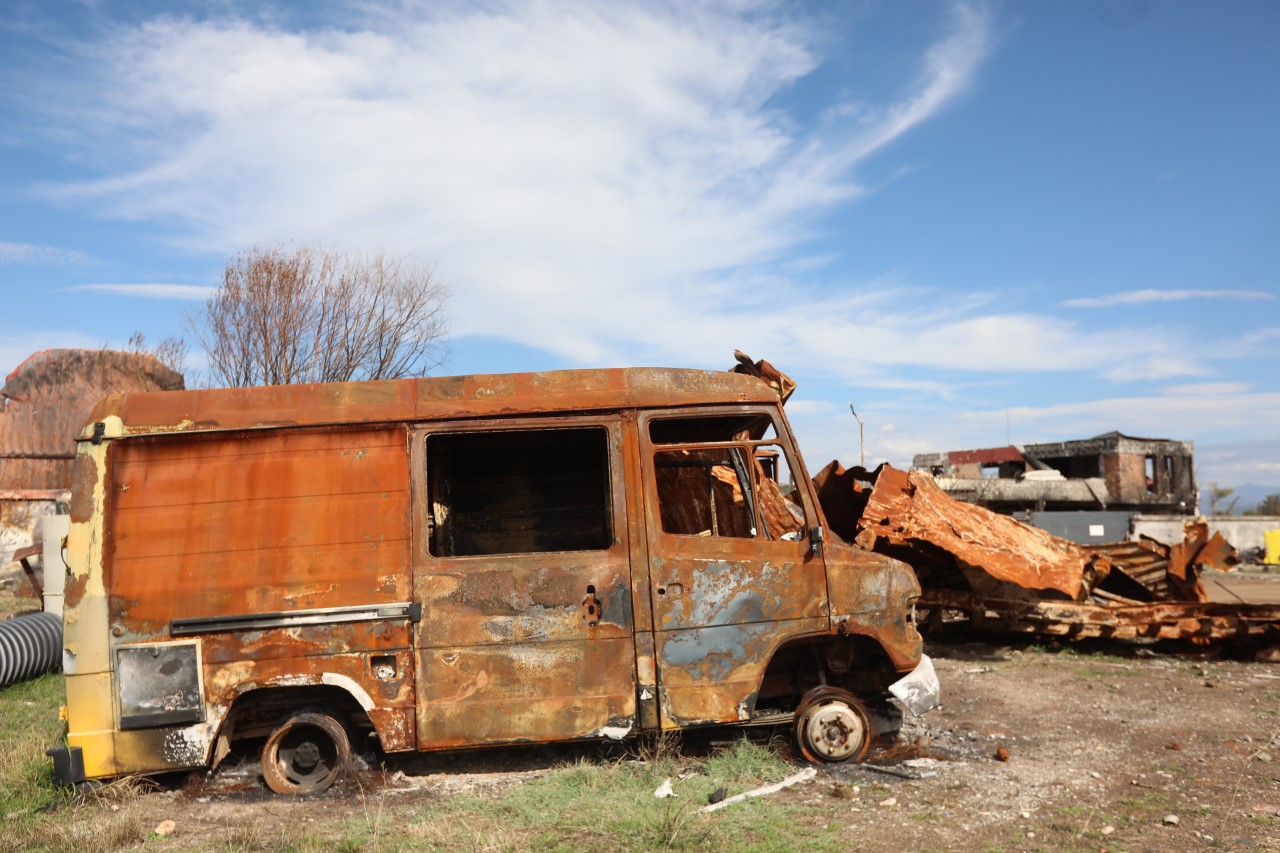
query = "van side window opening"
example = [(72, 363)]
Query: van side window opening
[(723, 481), (518, 492)]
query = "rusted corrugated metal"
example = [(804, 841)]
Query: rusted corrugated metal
[(1000, 576), (906, 513)]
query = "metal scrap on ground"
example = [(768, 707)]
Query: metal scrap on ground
[(1004, 577)]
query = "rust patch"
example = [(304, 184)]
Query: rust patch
[(84, 477)]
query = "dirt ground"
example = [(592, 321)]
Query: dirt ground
[(1106, 751)]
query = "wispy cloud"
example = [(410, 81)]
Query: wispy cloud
[(28, 253), (1139, 297), (1207, 389), (590, 178), (152, 291)]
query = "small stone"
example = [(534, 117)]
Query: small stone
[(1170, 820), (1031, 835), (1026, 814), (1095, 774), (164, 828), (892, 801), (1108, 829), (857, 789), (1002, 754), (1263, 756), (1173, 744)]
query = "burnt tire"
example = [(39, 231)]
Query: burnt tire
[(832, 725), (306, 754)]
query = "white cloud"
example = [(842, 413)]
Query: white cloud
[(1207, 389), (612, 183), (590, 178), (28, 253), (1140, 297), (152, 291)]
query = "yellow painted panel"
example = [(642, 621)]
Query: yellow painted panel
[(1272, 539)]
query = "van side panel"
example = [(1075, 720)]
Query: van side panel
[(246, 523), (223, 542)]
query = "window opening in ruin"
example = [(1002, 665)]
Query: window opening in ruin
[(1149, 474), (518, 491)]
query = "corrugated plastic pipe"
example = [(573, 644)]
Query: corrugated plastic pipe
[(30, 645)]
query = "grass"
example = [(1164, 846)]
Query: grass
[(584, 805), (611, 806), (29, 725)]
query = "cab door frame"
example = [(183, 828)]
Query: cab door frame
[(722, 605)]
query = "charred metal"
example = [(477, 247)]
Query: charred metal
[(460, 562)]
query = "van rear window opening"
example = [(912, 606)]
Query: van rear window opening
[(519, 491)]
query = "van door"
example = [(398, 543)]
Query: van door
[(733, 575), (521, 568)]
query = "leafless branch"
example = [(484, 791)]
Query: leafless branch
[(300, 314)]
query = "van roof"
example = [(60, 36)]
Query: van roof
[(435, 398)]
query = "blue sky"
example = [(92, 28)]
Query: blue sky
[(976, 221)]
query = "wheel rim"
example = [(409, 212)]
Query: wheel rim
[(305, 755), (833, 729)]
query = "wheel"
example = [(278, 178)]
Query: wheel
[(306, 754), (832, 725)]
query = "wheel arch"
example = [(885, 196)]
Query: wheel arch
[(854, 662), (257, 709)]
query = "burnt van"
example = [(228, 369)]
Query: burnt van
[(433, 564)]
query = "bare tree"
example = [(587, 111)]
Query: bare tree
[(1217, 494), (301, 314), (172, 352)]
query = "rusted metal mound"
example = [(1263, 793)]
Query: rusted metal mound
[(46, 400), (995, 575)]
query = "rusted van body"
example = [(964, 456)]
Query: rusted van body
[(456, 562)]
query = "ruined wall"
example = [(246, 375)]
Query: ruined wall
[(1126, 476)]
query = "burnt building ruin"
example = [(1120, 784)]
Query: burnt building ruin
[(1109, 472)]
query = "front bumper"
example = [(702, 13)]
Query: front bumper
[(919, 690)]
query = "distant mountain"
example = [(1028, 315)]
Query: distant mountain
[(1250, 496)]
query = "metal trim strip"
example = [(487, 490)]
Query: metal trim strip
[(298, 618)]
